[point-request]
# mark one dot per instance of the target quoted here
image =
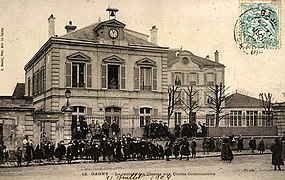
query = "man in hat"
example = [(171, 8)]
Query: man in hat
[(115, 128), (105, 128)]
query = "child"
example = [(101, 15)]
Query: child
[(176, 150), (193, 147), (167, 151), (19, 157)]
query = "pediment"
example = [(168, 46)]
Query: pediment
[(110, 23), (146, 62), (78, 57), (114, 59)]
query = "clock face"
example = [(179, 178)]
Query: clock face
[(113, 33), (185, 60)]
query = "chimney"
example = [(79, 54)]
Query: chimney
[(207, 57), (69, 28), (216, 56), (51, 26), (153, 35)]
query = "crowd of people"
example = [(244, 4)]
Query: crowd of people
[(126, 147), (104, 143), (160, 130)]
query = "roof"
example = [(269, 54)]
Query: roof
[(242, 101), (173, 58), (87, 33), (19, 90)]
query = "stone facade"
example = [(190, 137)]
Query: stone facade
[(185, 70), (113, 73), (279, 109), (16, 120)]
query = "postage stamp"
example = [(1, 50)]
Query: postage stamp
[(258, 26)]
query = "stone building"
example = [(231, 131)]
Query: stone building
[(187, 70), (279, 109), (113, 73), (16, 117)]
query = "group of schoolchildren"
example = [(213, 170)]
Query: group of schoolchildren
[(100, 142)]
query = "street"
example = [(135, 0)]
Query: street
[(242, 167)]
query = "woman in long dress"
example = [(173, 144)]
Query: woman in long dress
[(276, 150)]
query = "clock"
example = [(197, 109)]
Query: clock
[(113, 33), (185, 60)]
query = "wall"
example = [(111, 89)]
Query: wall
[(247, 131)]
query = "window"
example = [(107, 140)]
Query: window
[(38, 81), (178, 78), (145, 78), (145, 114), (113, 76), (210, 80), (29, 86), (113, 114), (177, 116), (267, 121), (78, 72), (235, 118), (208, 99), (193, 79), (113, 73), (77, 116), (210, 120), (251, 118), (145, 75)]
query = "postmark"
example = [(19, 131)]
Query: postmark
[(258, 26)]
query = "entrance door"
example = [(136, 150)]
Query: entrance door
[(113, 114)]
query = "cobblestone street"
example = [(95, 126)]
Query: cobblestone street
[(242, 167)]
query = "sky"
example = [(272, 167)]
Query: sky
[(200, 26)]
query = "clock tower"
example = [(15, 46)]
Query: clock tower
[(111, 31)]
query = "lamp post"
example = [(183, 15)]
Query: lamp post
[(65, 121)]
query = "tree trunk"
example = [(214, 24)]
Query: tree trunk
[(217, 119)]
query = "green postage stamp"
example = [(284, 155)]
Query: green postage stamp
[(258, 25)]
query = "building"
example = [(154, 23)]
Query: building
[(279, 109), (16, 117), (113, 73), (244, 115), (188, 70)]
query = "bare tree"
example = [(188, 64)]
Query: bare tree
[(266, 103), (190, 104), (218, 97), (172, 100)]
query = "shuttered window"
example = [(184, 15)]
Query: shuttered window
[(123, 77), (210, 79), (136, 78), (154, 79), (104, 76), (89, 76), (68, 74), (198, 79), (89, 111)]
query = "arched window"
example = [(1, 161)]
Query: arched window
[(113, 114)]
